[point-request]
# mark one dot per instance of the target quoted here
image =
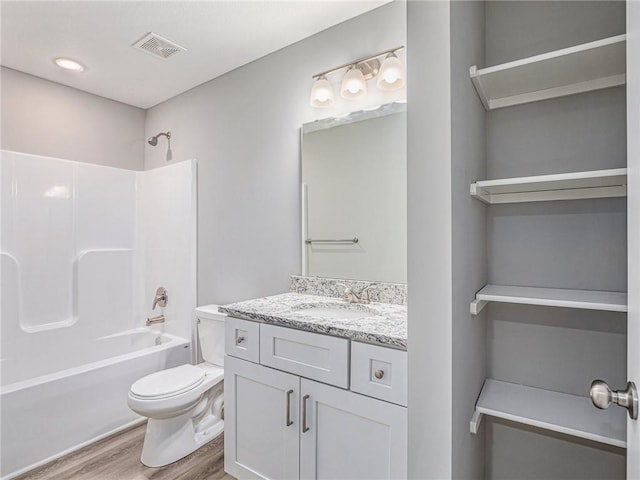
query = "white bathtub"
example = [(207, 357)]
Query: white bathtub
[(50, 415)]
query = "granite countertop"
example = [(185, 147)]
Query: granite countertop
[(385, 323)]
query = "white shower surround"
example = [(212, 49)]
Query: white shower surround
[(83, 248)]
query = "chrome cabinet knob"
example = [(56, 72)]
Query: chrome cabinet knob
[(602, 396), (379, 374), (239, 340)]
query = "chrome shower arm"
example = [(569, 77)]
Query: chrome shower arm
[(153, 141)]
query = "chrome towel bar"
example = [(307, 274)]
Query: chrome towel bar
[(350, 241)]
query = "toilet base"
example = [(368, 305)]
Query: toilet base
[(168, 440)]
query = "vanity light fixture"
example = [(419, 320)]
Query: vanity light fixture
[(321, 93), (391, 76), (68, 64), (354, 84)]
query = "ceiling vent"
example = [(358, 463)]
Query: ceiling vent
[(158, 46)]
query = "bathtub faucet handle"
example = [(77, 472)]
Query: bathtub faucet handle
[(161, 298)]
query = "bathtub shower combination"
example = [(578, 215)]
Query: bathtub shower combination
[(82, 250)]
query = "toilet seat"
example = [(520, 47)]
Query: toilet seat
[(184, 394), (169, 382)]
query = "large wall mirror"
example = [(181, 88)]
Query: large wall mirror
[(354, 196)]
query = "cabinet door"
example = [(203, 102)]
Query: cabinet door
[(350, 436), (261, 421)]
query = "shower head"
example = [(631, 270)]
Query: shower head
[(153, 141)]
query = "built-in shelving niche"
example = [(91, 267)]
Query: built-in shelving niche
[(563, 186), (559, 412), (550, 297), (579, 69)]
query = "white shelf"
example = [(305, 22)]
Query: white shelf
[(552, 297), (582, 68), (559, 412), (564, 186)]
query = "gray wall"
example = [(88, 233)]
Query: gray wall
[(521, 452), (429, 240), (45, 118), (518, 29), (244, 130), (574, 244), (469, 234)]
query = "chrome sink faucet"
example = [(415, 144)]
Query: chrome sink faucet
[(352, 297)]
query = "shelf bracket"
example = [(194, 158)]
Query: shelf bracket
[(476, 306), (476, 420), (484, 98), (479, 193)]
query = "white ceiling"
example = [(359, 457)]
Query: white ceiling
[(218, 35)]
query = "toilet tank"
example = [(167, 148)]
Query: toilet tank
[(210, 334)]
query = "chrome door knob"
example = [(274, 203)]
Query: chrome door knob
[(602, 396)]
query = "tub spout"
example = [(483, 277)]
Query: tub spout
[(158, 319)]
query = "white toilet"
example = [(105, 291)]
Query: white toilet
[(184, 404)]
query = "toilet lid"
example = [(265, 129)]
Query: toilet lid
[(172, 381)]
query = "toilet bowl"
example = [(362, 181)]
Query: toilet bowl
[(184, 404)]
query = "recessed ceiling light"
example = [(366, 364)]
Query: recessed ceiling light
[(69, 64)]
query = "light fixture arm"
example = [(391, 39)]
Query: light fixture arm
[(360, 60)]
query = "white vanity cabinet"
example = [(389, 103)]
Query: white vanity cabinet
[(280, 425), (350, 436), (261, 421)]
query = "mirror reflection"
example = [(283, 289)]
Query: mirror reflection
[(354, 193)]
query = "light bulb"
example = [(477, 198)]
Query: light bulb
[(353, 84), (391, 75), (321, 93), (322, 96)]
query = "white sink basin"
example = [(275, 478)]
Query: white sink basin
[(335, 311)]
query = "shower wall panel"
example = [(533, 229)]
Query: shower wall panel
[(167, 242), (57, 216), (38, 234), (67, 271), (83, 248)]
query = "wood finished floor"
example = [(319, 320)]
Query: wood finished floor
[(118, 458)]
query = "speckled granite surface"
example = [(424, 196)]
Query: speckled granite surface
[(333, 287), (382, 323)]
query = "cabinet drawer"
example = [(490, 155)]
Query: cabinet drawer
[(311, 355), (242, 339), (379, 372)]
